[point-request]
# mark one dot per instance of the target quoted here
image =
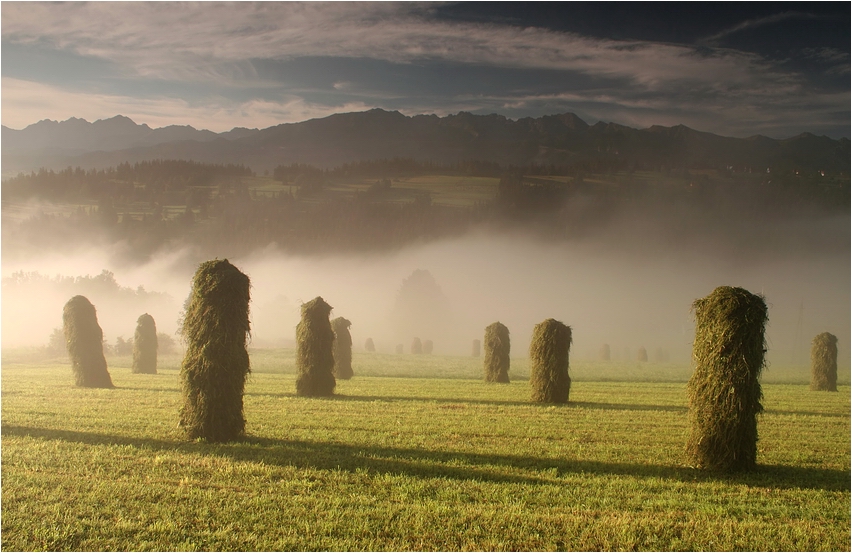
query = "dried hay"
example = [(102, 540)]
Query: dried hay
[(84, 340), (145, 345), (604, 354), (315, 351), (549, 350), (475, 348), (369, 345), (216, 363), (342, 348), (642, 355), (724, 392), (824, 362), (497, 346), (416, 346), (428, 346)]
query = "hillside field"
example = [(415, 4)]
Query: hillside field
[(413, 453)]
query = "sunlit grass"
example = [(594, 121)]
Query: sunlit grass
[(408, 462)]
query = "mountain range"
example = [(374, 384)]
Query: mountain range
[(562, 139)]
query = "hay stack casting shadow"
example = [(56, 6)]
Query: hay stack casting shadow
[(549, 350), (724, 392), (145, 345), (314, 352), (216, 363), (824, 362), (84, 340), (342, 348), (497, 346)]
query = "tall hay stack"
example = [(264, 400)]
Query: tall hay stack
[(216, 363), (824, 362), (549, 350), (724, 392), (342, 348), (604, 354), (428, 346), (369, 345), (475, 348), (416, 346), (497, 347), (145, 345), (315, 351), (642, 355), (84, 340)]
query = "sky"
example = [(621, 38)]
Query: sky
[(732, 68)]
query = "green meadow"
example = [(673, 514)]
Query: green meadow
[(413, 453)]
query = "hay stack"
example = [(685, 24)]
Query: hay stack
[(604, 354), (145, 345), (724, 391), (369, 345), (497, 346), (216, 363), (824, 362), (428, 346), (474, 350), (314, 354), (342, 348), (416, 346), (84, 340), (642, 355), (399, 349), (549, 349)]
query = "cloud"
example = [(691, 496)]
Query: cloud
[(25, 102), (224, 47)]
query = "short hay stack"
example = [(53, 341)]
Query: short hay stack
[(428, 346), (342, 348), (497, 346), (604, 354), (416, 346), (369, 345), (549, 349), (84, 340), (216, 363), (145, 346), (824, 362), (724, 392), (314, 353)]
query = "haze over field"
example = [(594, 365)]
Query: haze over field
[(625, 293)]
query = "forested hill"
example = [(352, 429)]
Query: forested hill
[(563, 141)]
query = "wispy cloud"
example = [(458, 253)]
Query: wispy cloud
[(228, 47)]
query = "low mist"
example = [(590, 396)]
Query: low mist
[(619, 288)]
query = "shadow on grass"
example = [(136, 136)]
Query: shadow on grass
[(467, 400), (425, 463)]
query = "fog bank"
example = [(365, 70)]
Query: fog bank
[(626, 297)]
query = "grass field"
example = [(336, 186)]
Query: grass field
[(428, 459)]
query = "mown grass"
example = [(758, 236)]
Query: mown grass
[(408, 462)]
